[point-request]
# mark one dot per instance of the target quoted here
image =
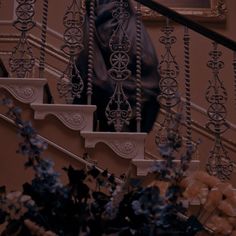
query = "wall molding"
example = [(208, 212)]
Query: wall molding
[(25, 90), (74, 117), (125, 145), (35, 42), (60, 148)]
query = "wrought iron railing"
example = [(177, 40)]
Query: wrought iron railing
[(80, 38), (219, 163), (186, 21), (22, 60), (71, 84)]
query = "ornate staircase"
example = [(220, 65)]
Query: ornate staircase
[(115, 151), (79, 118)]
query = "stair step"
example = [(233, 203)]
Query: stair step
[(26, 90), (126, 145), (75, 117), (144, 166)]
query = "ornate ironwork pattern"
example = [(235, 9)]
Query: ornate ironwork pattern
[(220, 9), (169, 71), (22, 61), (187, 87), (71, 85), (118, 110), (219, 164), (43, 39), (91, 49), (138, 66)]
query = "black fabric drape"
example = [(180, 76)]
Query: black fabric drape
[(3, 70), (103, 86)]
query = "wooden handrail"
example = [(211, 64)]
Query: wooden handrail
[(183, 20)]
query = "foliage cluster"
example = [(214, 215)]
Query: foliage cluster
[(93, 203)]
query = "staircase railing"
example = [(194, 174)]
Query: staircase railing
[(193, 25), (118, 109), (219, 163)]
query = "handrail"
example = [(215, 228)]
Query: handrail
[(61, 149), (183, 20)]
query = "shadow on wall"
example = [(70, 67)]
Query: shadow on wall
[(3, 70)]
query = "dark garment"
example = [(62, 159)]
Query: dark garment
[(103, 86), (3, 70)]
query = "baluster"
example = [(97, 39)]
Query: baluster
[(187, 87), (22, 61), (42, 49), (219, 163), (138, 66), (71, 85), (91, 50), (169, 97), (43, 39), (118, 110)]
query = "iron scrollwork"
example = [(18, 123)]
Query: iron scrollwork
[(169, 71), (71, 85), (118, 110), (22, 61), (220, 9), (219, 163), (169, 97)]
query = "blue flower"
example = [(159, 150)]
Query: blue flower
[(137, 207)]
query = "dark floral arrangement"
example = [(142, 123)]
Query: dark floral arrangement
[(93, 203)]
